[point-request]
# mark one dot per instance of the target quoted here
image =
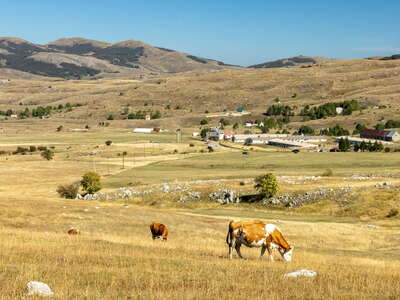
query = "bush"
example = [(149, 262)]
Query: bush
[(392, 213), (32, 148), (20, 150), (387, 149), (47, 154), (108, 143), (191, 145), (59, 128), (204, 122), (91, 182), (267, 185), (68, 191), (327, 173), (110, 117), (42, 148)]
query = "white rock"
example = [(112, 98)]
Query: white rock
[(39, 288), (301, 273)]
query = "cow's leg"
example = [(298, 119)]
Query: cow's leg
[(263, 248), (237, 247), (230, 250), (271, 258)]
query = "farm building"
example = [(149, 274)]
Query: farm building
[(147, 117), (290, 143), (215, 134), (358, 141), (383, 135), (143, 130), (228, 134)]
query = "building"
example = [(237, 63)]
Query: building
[(228, 134), (215, 134), (383, 135), (290, 143), (147, 117), (358, 141), (143, 130)]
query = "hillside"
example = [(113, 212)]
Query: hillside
[(292, 62), (185, 99), (77, 58)]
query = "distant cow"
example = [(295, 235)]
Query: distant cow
[(257, 234), (159, 231), (74, 231)]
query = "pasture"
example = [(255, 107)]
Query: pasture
[(115, 257)]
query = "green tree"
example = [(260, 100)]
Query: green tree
[(344, 145), (204, 122), (91, 182), (267, 185)]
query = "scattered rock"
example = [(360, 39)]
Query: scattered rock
[(224, 196), (39, 289), (371, 226), (301, 273)]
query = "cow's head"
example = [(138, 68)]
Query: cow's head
[(287, 255)]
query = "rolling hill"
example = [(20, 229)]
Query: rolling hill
[(77, 58), (292, 62)]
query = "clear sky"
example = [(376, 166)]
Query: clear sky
[(236, 32)]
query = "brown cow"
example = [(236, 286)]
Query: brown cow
[(159, 231), (257, 234), (73, 231)]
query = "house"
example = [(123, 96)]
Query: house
[(147, 117), (228, 134), (14, 116), (215, 134), (383, 135), (195, 133), (339, 110)]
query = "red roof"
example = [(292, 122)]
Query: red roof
[(375, 132)]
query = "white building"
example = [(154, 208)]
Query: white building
[(143, 130)]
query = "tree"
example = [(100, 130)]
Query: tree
[(235, 126), (108, 143), (47, 154), (305, 130), (68, 191), (110, 117), (267, 185), (91, 182), (344, 145), (204, 122)]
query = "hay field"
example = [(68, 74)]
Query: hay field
[(115, 257)]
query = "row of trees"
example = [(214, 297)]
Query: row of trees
[(39, 111), (344, 146)]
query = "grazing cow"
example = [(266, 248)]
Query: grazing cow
[(257, 234), (74, 231), (159, 231)]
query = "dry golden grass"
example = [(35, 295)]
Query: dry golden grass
[(115, 257), (371, 82)]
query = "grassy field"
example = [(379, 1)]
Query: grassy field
[(115, 257)]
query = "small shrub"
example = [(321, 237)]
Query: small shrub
[(327, 173), (392, 213), (110, 117), (68, 191), (210, 149), (42, 148), (108, 143), (242, 183), (176, 151), (387, 149), (204, 122), (60, 128), (191, 145), (47, 154), (267, 185), (32, 148), (91, 182)]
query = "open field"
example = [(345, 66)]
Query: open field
[(115, 258)]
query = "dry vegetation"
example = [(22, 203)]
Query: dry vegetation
[(115, 257)]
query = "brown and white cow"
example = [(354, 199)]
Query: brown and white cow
[(159, 231), (257, 234)]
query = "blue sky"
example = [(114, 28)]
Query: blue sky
[(237, 32)]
